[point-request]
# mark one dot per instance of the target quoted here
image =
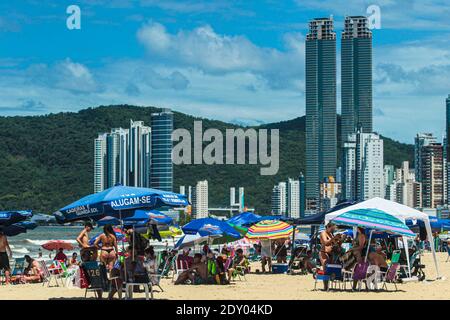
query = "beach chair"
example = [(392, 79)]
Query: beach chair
[(67, 274), (395, 256), (49, 273), (390, 276), (17, 272), (96, 276), (358, 274), (179, 266)]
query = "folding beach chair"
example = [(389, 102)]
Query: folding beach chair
[(49, 273), (358, 274), (390, 276), (96, 276), (179, 266), (18, 270)]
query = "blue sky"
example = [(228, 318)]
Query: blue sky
[(238, 61)]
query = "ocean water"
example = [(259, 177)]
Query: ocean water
[(29, 243)]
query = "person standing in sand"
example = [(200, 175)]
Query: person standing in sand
[(87, 252), (5, 254), (326, 244)]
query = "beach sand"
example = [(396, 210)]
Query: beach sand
[(261, 286)]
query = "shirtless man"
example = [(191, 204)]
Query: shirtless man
[(87, 252), (197, 273), (326, 242), (5, 254)]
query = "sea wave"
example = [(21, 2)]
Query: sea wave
[(20, 250)]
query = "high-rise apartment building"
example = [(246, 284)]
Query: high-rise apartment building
[(356, 77), (139, 154), (161, 162), (320, 107), (330, 192), (363, 174), (200, 200), (99, 163), (432, 173), (279, 201), (293, 198), (421, 140)]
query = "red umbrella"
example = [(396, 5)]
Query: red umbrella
[(57, 244)]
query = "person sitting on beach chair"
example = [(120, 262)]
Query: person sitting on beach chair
[(32, 272), (240, 264), (197, 274)]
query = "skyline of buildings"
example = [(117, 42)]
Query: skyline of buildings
[(362, 173)]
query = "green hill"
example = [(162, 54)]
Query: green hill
[(46, 161)]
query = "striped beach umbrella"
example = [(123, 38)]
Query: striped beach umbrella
[(373, 219), (269, 230)]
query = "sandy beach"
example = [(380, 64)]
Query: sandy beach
[(260, 286)]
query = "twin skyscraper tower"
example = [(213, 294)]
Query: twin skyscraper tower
[(321, 95)]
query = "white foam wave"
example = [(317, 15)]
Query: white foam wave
[(21, 250)]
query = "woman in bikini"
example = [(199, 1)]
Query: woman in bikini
[(326, 241), (108, 249)]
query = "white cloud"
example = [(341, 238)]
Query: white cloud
[(211, 52)]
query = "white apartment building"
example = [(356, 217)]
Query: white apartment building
[(200, 200), (279, 203), (293, 198)]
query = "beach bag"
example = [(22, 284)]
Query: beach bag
[(348, 260)]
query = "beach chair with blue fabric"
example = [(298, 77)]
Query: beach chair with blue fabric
[(17, 272), (97, 278)]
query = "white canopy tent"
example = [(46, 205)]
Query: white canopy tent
[(400, 211)]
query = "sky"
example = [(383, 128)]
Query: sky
[(236, 61)]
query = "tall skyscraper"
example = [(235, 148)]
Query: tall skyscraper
[(432, 173), (356, 77), (320, 107), (161, 164), (200, 200), (421, 140), (330, 191)]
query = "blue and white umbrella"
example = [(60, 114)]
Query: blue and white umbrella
[(119, 201), (8, 218)]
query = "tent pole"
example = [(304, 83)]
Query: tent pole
[(368, 245), (405, 246), (433, 251)]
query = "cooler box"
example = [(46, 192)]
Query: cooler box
[(279, 267)]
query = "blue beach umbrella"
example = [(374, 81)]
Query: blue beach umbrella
[(219, 231), (10, 217), (148, 216), (244, 219), (119, 201), (17, 228)]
